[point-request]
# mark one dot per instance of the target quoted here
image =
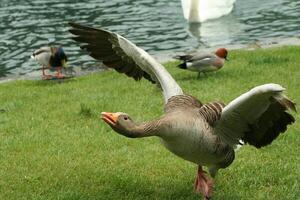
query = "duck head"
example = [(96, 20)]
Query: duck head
[(120, 122), (222, 53)]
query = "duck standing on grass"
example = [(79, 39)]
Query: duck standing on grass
[(53, 58), (204, 134), (203, 62)]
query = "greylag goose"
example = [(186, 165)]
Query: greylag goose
[(53, 58), (196, 11), (204, 134), (203, 62)]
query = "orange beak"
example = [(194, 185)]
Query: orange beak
[(110, 118)]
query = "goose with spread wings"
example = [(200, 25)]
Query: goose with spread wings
[(204, 134)]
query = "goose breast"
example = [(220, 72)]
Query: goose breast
[(191, 138)]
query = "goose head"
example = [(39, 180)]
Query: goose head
[(120, 122), (222, 53)]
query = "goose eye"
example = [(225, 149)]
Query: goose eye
[(125, 118)]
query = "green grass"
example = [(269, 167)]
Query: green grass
[(53, 144)]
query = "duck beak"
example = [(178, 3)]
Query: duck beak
[(110, 118)]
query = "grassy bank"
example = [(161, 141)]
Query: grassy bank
[(54, 146)]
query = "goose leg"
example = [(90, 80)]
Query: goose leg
[(213, 170), (203, 184)]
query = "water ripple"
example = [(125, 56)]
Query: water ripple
[(156, 25)]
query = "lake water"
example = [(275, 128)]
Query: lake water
[(157, 26)]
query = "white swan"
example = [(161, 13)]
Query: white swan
[(202, 10)]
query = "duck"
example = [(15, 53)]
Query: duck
[(53, 58), (197, 11), (204, 134), (203, 62)]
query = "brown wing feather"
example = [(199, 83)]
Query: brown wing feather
[(211, 112), (182, 102), (104, 46), (272, 122), (257, 117)]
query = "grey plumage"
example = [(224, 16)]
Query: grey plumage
[(203, 62), (205, 134)]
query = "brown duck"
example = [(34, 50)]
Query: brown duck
[(205, 134)]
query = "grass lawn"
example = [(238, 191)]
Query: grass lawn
[(53, 144)]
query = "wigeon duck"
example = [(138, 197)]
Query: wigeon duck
[(203, 62)]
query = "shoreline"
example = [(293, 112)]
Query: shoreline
[(162, 58), (268, 43)]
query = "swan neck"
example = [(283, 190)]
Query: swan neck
[(194, 11)]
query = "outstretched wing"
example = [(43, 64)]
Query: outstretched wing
[(122, 55), (257, 116)]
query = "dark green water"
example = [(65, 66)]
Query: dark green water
[(155, 25)]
